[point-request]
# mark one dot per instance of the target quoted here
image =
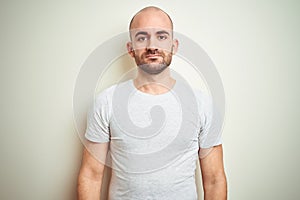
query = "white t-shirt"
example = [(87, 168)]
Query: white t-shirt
[(154, 140)]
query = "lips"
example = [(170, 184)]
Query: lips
[(153, 56)]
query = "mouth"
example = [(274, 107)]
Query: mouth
[(153, 56)]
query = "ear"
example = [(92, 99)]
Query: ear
[(175, 46), (130, 49)]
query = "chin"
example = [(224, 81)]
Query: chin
[(153, 68)]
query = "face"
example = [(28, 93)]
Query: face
[(152, 44)]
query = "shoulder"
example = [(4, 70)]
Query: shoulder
[(106, 95), (203, 99)]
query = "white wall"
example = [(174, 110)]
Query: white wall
[(254, 45)]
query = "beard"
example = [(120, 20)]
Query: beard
[(156, 65), (153, 68)]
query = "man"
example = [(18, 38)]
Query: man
[(157, 162)]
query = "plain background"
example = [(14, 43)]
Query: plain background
[(254, 45)]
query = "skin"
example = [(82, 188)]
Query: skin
[(91, 171), (153, 55)]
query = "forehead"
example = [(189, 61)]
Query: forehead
[(151, 19)]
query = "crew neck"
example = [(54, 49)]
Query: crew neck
[(137, 91)]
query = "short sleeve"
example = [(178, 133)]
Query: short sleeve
[(98, 120), (209, 133)]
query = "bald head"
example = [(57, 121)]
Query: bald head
[(151, 17)]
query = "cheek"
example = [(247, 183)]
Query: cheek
[(167, 55), (168, 58), (138, 52)]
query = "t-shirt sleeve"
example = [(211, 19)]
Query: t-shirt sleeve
[(98, 120), (210, 127)]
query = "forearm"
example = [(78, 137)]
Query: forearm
[(88, 189), (216, 190)]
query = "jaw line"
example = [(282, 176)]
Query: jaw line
[(160, 68)]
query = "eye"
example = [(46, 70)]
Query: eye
[(141, 39), (162, 37)]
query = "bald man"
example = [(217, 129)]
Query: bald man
[(146, 165)]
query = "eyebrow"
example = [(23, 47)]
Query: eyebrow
[(162, 32), (146, 33), (141, 33)]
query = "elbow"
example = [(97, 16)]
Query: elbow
[(90, 174), (216, 181)]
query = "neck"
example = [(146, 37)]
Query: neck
[(154, 83)]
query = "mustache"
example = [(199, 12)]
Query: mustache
[(153, 52)]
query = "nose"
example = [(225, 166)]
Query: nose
[(152, 44)]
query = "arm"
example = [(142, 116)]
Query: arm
[(91, 171), (213, 175)]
